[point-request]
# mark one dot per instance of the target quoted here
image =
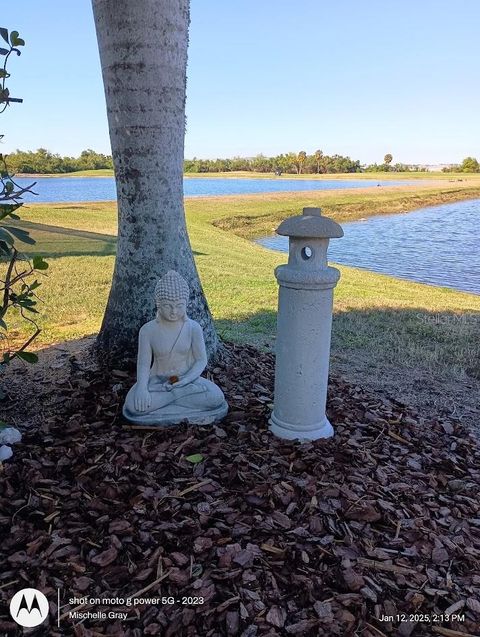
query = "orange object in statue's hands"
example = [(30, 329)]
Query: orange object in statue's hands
[(173, 379)]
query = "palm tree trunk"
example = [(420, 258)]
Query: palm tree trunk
[(143, 54)]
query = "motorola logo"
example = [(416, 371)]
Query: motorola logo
[(29, 607)]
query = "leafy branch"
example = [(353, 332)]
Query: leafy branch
[(16, 287), (13, 42)]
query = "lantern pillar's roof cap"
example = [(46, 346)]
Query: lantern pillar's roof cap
[(310, 224)]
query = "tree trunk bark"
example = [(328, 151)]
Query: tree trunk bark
[(143, 54)]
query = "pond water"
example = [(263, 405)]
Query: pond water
[(55, 189), (439, 245)]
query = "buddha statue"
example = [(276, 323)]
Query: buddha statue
[(171, 389)]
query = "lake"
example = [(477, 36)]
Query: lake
[(56, 189), (439, 245)]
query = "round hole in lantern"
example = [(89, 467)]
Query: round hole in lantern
[(307, 253)]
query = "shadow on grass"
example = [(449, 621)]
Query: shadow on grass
[(257, 329), (427, 359), (442, 342), (56, 241)]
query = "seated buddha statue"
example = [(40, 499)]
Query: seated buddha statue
[(171, 358)]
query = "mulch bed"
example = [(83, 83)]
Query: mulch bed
[(277, 537)]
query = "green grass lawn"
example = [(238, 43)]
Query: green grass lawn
[(379, 321)]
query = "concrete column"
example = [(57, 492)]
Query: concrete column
[(304, 324)]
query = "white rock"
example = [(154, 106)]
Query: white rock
[(5, 453), (9, 436)]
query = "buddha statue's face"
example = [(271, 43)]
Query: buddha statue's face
[(172, 310)]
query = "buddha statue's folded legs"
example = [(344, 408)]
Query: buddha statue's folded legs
[(201, 394)]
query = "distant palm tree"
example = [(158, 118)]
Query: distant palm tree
[(318, 159), (301, 159)]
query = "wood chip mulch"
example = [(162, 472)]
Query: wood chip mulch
[(277, 538)]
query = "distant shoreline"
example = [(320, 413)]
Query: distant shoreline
[(254, 175)]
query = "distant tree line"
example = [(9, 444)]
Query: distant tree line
[(468, 165), (43, 162), (293, 163)]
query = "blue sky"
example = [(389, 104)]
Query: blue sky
[(270, 76)]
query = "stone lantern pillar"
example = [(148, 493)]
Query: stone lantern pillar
[(304, 323)]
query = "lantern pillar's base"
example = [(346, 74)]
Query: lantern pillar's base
[(291, 431)]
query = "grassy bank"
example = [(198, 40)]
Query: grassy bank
[(246, 174), (101, 172), (388, 331), (259, 215)]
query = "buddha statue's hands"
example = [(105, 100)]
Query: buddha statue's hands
[(142, 399), (180, 382), (168, 386)]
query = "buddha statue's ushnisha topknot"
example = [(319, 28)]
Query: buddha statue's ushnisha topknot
[(171, 287)]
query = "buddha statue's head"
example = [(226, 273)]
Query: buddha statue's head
[(171, 297)]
